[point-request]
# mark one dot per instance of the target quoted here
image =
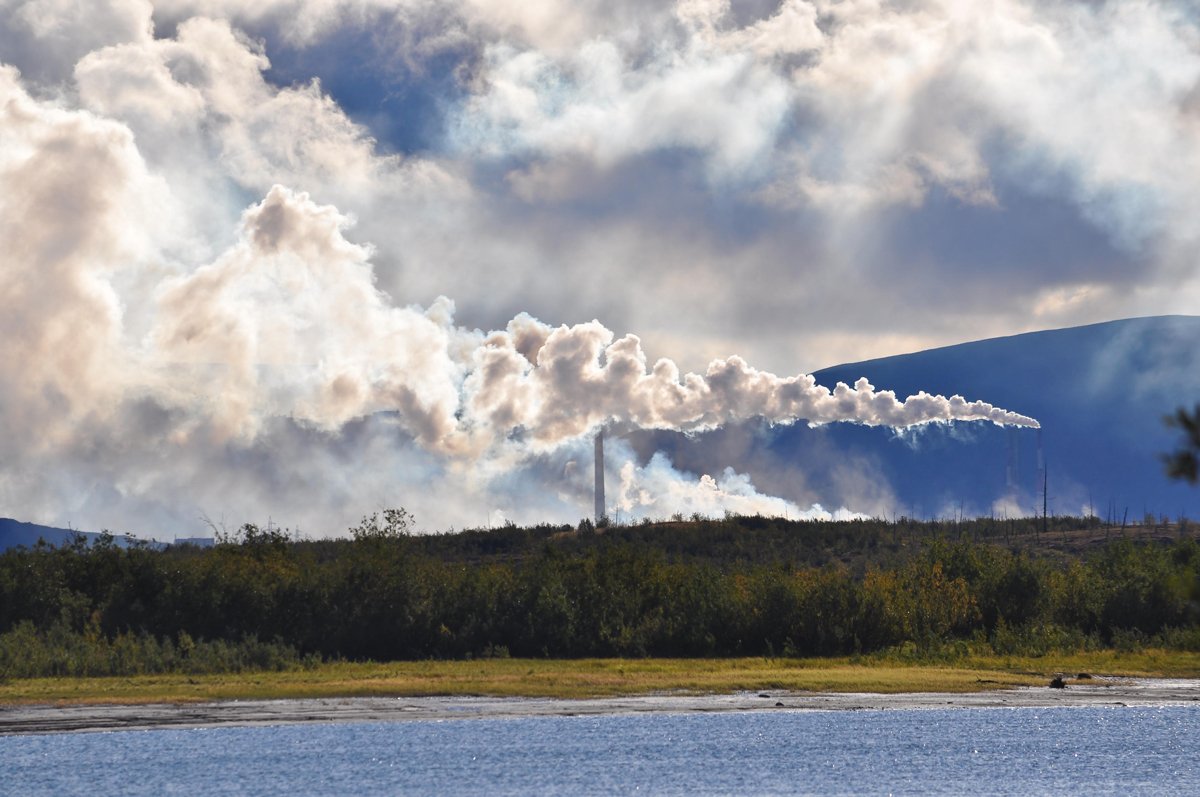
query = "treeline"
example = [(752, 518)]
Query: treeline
[(755, 539), (261, 599)]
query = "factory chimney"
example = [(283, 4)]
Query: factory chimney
[(600, 477)]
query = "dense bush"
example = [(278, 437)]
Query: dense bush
[(26, 651), (734, 587)]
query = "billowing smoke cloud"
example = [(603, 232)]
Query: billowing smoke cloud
[(659, 490), (571, 379), (186, 319), (293, 317), (288, 322)]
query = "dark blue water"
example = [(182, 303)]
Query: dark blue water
[(965, 751)]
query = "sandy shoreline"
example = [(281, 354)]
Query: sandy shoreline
[(245, 713)]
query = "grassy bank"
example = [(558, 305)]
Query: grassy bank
[(599, 677)]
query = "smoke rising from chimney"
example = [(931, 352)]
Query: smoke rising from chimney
[(292, 314), (173, 375)]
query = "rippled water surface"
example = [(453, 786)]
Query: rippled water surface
[(964, 751)]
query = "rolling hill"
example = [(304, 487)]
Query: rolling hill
[(1100, 392)]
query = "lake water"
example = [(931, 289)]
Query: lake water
[(961, 751)]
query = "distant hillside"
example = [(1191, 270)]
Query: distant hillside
[(1100, 392), (14, 533)]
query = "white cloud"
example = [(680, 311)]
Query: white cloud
[(204, 90), (596, 105), (78, 210), (45, 38)]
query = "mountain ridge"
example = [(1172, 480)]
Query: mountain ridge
[(1095, 326), (1100, 391)]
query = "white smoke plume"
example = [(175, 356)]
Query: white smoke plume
[(559, 383), (294, 320), (659, 490)]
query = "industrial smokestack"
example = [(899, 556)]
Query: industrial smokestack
[(599, 477)]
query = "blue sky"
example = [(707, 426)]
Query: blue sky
[(250, 242)]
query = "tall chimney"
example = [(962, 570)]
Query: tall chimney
[(599, 477)]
